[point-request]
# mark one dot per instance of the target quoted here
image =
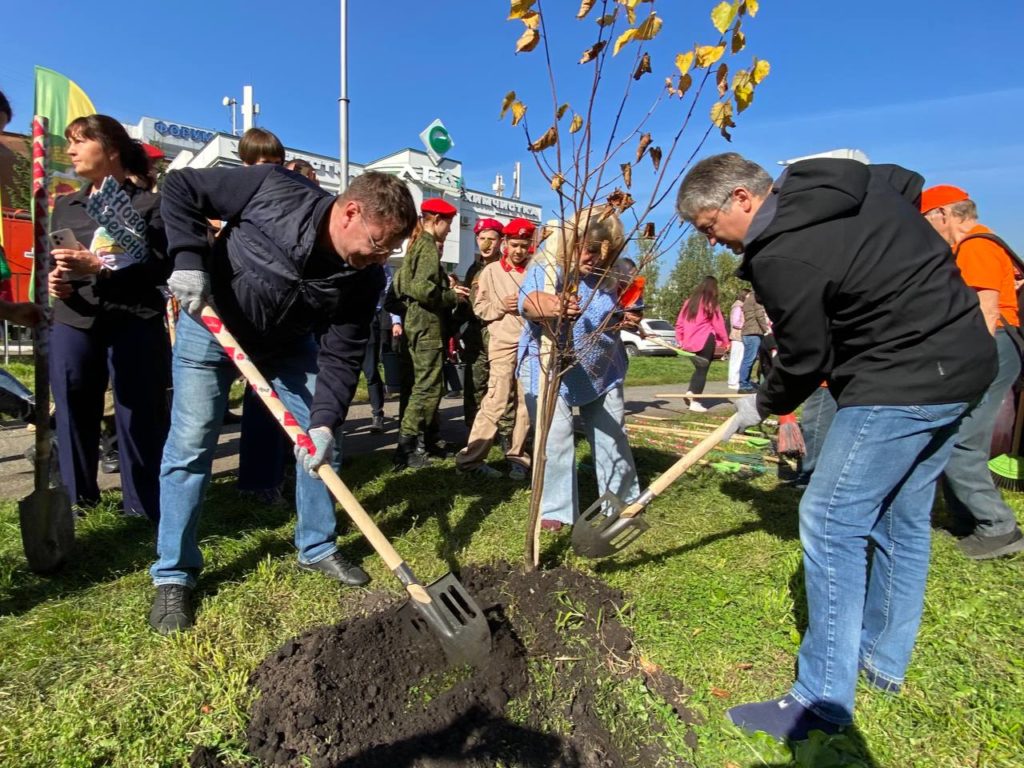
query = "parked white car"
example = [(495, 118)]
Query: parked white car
[(662, 329)]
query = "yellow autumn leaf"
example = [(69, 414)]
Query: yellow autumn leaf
[(760, 71), (585, 6), (576, 124), (557, 181), (722, 78), (650, 28), (624, 38), (641, 147), (520, 8), (627, 174), (531, 20), (744, 95), (527, 41), (751, 6), (723, 15), (548, 139), (742, 89), (721, 116), (518, 112), (684, 61), (655, 155), (506, 103), (708, 55), (591, 53), (643, 67), (607, 19), (561, 111), (739, 40)]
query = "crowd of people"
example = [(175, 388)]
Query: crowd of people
[(888, 311)]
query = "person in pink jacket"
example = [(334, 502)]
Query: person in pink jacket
[(700, 327)]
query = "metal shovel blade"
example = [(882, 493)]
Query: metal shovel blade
[(47, 528), (455, 619), (601, 530)]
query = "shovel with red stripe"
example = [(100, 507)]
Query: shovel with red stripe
[(444, 607)]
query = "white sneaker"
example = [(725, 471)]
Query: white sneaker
[(734, 386), (697, 407)]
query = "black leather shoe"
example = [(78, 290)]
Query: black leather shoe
[(172, 610), (110, 464), (336, 567)]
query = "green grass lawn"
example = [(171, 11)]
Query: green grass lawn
[(645, 371), (715, 588)]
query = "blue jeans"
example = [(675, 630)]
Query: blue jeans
[(967, 485), (751, 344), (815, 418), (871, 492), (202, 379), (604, 425)]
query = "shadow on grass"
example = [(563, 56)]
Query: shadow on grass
[(111, 546), (426, 494), (776, 509), (848, 750)]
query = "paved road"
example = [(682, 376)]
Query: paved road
[(16, 477)]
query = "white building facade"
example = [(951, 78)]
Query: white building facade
[(190, 146)]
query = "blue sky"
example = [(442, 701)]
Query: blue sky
[(933, 86)]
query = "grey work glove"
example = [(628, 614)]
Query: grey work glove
[(747, 415), (191, 287), (323, 450)]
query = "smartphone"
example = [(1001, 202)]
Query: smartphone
[(63, 238)]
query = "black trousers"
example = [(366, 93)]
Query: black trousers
[(371, 370), (134, 355), (701, 362)]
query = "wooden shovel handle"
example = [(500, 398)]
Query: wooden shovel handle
[(298, 436), (695, 454)]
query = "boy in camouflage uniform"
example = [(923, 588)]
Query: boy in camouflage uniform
[(429, 296)]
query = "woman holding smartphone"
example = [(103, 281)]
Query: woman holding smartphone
[(108, 317)]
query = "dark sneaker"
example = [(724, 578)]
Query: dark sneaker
[(336, 567), (519, 473), (110, 464), (377, 425), (480, 470), (987, 547), (172, 610), (785, 719)]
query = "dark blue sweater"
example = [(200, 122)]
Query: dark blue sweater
[(272, 282)]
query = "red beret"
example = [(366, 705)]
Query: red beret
[(438, 206), (519, 228), (482, 224), (940, 195), (153, 153)]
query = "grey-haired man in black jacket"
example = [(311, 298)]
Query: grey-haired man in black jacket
[(863, 293)]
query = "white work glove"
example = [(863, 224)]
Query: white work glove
[(323, 450), (747, 415), (191, 287)]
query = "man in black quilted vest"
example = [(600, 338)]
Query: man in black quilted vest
[(982, 521), (295, 276)]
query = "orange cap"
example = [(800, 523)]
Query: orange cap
[(940, 195)]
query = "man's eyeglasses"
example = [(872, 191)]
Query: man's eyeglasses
[(380, 250), (708, 230)]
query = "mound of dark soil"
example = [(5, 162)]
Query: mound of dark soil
[(373, 691)]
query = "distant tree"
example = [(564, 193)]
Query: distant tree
[(697, 259)]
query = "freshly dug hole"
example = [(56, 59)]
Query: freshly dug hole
[(372, 691)]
